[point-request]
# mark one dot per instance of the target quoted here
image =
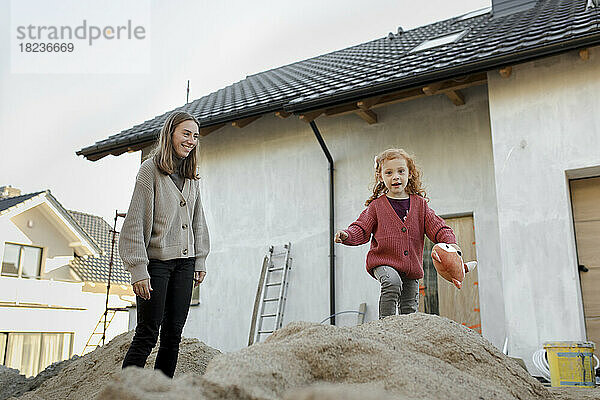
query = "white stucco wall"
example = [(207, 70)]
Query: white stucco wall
[(545, 121), (268, 184)]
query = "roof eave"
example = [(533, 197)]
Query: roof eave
[(148, 137)]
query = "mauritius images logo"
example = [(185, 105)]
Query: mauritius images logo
[(80, 36), (87, 32)]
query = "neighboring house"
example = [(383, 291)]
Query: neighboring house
[(501, 109), (53, 281)]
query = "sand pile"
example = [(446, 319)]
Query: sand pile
[(84, 377), (12, 383), (416, 356)]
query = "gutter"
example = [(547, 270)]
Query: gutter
[(313, 125)]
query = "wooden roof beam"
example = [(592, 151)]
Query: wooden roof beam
[(451, 86), (368, 115), (240, 123), (209, 129), (432, 88), (282, 114), (584, 54), (398, 97), (344, 109), (457, 84), (505, 72), (415, 93), (366, 104), (456, 96), (310, 115)]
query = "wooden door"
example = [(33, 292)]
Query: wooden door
[(441, 297), (585, 199)]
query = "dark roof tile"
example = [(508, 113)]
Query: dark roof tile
[(385, 65), (10, 202), (95, 269)]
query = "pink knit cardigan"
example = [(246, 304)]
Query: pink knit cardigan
[(394, 242)]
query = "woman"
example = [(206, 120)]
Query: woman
[(164, 242)]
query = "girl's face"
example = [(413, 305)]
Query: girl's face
[(395, 175), (185, 138)]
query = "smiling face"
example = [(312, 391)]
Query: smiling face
[(185, 138), (395, 175)]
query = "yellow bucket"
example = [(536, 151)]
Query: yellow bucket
[(571, 363)]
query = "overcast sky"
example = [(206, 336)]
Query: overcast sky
[(46, 118)]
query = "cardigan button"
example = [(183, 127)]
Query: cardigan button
[(403, 229), (182, 203), (184, 226), (184, 251), (405, 252)]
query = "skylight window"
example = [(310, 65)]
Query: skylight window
[(475, 13), (439, 41)]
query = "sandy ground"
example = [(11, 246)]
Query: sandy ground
[(415, 356), (569, 393), (84, 377)]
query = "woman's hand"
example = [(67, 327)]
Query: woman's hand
[(340, 236), (198, 277), (142, 288)]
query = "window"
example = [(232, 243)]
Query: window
[(22, 261), (30, 352), (439, 41)]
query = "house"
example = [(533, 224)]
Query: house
[(499, 106), (53, 281)]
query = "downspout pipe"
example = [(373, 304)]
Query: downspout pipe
[(313, 125)]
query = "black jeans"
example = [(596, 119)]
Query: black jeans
[(172, 282)]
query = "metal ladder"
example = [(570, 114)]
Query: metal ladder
[(271, 294)]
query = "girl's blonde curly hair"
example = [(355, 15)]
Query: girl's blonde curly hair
[(414, 185)]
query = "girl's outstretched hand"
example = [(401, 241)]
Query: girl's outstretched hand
[(340, 236), (142, 288)]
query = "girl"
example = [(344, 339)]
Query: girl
[(397, 217), (164, 242)]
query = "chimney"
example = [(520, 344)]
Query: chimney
[(8, 192), (501, 8)]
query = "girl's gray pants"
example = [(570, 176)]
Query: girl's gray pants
[(397, 292)]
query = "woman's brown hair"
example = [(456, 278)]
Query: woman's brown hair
[(414, 185), (163, 152)]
